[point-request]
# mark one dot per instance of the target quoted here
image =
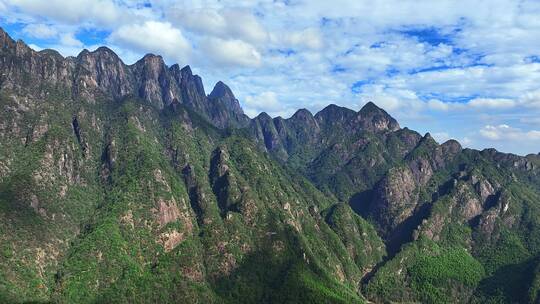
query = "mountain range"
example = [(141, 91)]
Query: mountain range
[(130, 184)]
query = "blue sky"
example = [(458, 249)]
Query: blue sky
[(468, 70)]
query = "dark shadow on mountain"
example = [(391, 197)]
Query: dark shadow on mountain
[(403, 233), (509, 284), (360, 202), (287, 276), (492, 200)]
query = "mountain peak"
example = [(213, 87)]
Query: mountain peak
[(101, 52), (335, 112), (221, 90), (50, 52), (229, 112), (5, 40), (370, 107), (428, 137), (186, 70), (151, 60), (104, 49), (263, 116), (151, 56), (4, 35), (451, 146), (302, 113), (373, 118)]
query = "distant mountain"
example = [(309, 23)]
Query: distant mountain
[(101, 74), (128, 184)]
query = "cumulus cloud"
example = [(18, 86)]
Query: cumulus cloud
[(101, 12), (441, 137), (153, 37), (531, 99), (534, 120), (230, 52), (239, 24), (505, 132), (266, 102), (495, 103), (42, 31), (399, 101), (436, 104), (309, 38), (69, 40)]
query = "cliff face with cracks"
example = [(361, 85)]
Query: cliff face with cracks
[(101, 74)]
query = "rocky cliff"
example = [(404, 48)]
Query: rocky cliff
[(101, 74)]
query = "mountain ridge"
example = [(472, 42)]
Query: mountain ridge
[(233, 104), (94, 73)]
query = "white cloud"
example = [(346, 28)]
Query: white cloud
[(101, 12), (42, 31), (244, 25), (237, 24), (441, 137), (201, 21), (494, 103), (153, 37), (230, 52), (531, 99), (505, 132), (436, 104), (309, 38), (266, 102), (69, 40), (530, 120), (35, 47), (404, 102)]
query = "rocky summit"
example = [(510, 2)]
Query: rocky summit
[(129, 184)]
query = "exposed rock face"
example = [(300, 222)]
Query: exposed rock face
[(170, 240), (394, 199), (226, 110), (451, 147), (335, 115), (153, 81), (266, 134), (23, 67), (222, 93), (375, 119), (422, 170), (192, 90), (468, 205), (410, 140), (167, 212), (286, 136), (101, 73), (102, 70)]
